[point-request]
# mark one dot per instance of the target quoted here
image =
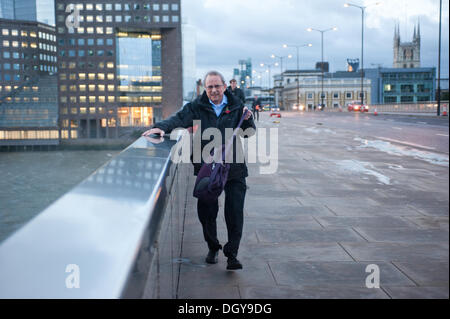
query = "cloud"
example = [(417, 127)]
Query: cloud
[(231, 30)]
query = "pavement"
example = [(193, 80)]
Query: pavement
[(335, 214)]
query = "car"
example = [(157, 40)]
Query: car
[(296, 107), (274, 108), (355, 106), (266, 107), (276, 114)]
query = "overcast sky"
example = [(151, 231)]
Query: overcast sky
[(230, 30)]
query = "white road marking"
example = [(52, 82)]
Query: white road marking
[(406, 143), (397, 128), (446, 135)]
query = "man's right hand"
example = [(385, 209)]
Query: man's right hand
[(155, 130)]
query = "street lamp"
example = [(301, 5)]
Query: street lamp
[(322, 32), (363, 9), (259, 76), (273, 56), (298, 66), (269, 69)]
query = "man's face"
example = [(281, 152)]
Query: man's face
[(215, 88), (233, 84)]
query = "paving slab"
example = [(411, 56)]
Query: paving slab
[(293, 273), (427, 273), (311, 292), (418, 292), (406, 252), (372, 222), (277, 235), (407, 235)]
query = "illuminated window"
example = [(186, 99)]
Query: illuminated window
[(111, 87), (110, 76), (82, 99), (92, 110), (91, 87), (82, 87), (82, 76), (101, 76), (83, 110), (91, 76), (111, 99), (92, 99), (101, 87)]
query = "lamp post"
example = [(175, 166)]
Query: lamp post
[(298, 66), (259, 76), (269, 70), (439, 62), (273, 56), (321, 67), (363, 9)]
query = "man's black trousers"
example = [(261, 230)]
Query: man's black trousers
[(235, 190)]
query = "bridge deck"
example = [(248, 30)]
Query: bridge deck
[(332, 209)]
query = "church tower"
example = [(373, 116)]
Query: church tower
[(407, 54)]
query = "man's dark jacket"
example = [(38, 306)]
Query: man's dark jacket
[(237, 93), (201, 109)]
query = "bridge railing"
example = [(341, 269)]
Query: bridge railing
[(115, 235), (425, 107)]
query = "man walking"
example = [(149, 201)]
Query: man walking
[(217, 108), (256, 106), (237, 92)]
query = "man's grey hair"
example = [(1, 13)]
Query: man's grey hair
[(214, 73)]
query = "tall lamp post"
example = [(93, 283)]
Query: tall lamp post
[(269, 70), (363, 9), (298, 66), (321, 67), (274, 56), (439, 62)]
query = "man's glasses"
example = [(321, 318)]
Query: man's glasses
[(210, 87)]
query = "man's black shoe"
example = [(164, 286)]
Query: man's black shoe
[(211, 258), (233, 264)]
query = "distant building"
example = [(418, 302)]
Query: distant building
[(7, 9), (244, 75), (352, 65), (28, 84), (339, 89), (407, 54), (120, 70), (189, 61), (402, 85), (30, 10)]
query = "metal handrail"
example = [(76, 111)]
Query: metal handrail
[(105, 231)]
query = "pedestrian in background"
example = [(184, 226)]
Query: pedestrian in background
[(256, 107), (237, 92), (217, 108)]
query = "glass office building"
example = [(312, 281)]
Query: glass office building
[(120, 69), (28, 84), (7, 9), (402, 85)]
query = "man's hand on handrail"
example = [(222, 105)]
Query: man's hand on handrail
[(155, 131)]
